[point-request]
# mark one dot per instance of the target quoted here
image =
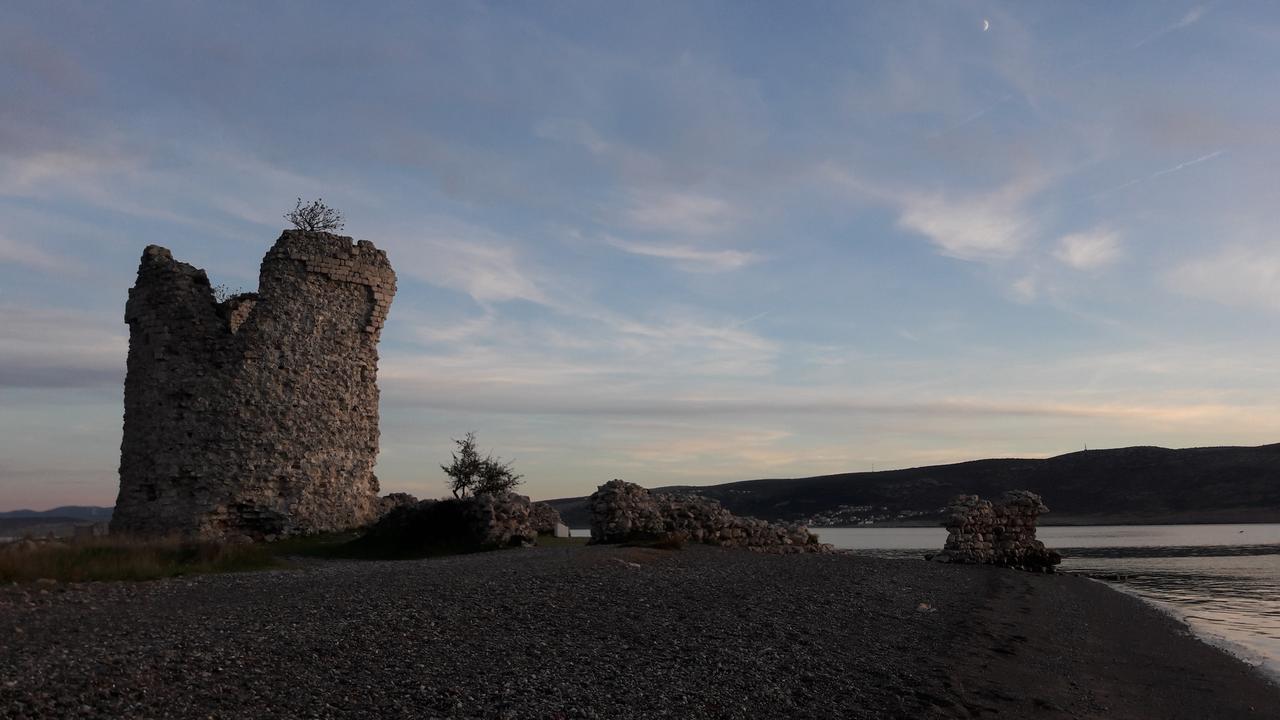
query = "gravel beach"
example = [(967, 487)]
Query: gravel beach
[(607, 632)]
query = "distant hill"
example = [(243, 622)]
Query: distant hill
[(1135, 485), (60, 521), (72, 512)]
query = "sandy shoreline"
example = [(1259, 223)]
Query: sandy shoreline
[(613, 633)]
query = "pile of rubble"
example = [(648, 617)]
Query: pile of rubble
[(391, 501), (479, 522), (500, 520), (544, 519), (625, 512)]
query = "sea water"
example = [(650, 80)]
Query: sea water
[(1223, 581)]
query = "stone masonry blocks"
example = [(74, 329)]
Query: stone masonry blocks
[(257, 416)]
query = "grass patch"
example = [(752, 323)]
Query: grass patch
[(552, 541), (124, 558), (665, 541), (325, 546), (128, 558)]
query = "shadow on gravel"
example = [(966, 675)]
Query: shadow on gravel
[(369, 546)]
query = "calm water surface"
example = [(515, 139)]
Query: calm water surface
[(1222, 580)]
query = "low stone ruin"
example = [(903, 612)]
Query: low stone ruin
[(544, 518), (482, 522), (391, 501), (625, 512), (980, 532), (501, 520)]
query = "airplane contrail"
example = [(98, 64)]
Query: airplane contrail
[(1187, 164), (753, 318), (1159, 173)]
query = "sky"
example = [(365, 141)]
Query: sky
[(675, 243)]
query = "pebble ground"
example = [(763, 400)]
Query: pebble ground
[(609, 633)]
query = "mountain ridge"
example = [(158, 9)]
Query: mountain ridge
[(77, 512), (1142, 484)]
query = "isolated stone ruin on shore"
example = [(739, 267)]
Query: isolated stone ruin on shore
[(487, 521), (544, 518), (482, 522), (625, 512), (255, 416), (980, 532)]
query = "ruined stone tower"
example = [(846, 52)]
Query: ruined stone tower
[(256, 416)]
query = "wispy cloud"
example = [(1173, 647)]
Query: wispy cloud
[(467, 258), (1240, 276), (124, 174), (595, 359), (1026, 288), (686, 449), (58, 348), (56, 172), (1089, 250), (982, 226), (413, 388), (427, 328), (629, 161), (994, 227), (681, 213), (1191, 17), (29, 256), (690, 258)]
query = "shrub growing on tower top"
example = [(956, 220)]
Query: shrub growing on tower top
[(315, 216)]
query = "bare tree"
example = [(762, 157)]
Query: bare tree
[(223, 292), (470, 474), (315, 216)]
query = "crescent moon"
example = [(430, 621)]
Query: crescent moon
[(986, 25)]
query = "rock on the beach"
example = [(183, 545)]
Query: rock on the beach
[(623, 512)]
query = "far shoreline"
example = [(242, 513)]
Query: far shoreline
[(1102, 521)]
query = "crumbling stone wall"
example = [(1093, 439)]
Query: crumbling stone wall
[(544, 518), (391, 501), (256, 416), (1003, 533), (623, 511), (500, 520)]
